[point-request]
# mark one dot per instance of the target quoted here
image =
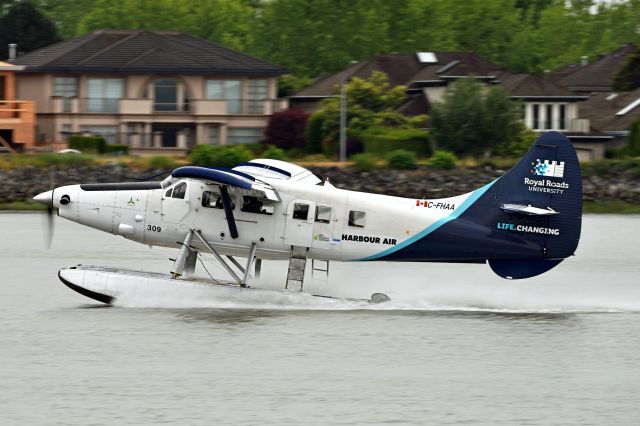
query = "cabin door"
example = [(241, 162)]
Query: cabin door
[(298, 228), (175, 202)]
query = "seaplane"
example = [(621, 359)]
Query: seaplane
[(522, 224)]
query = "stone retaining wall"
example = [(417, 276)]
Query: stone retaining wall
[(23, 184)]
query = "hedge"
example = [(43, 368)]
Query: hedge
[(95, 144), (383, 141)]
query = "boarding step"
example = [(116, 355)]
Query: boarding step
[(317, 266), (297, 266)]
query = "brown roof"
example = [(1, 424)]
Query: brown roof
[(144, 51), (603, 110), (404, 69), (531, 86), (595, 76)]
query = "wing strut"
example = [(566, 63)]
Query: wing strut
[(228, 211)]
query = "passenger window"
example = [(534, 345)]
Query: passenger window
[(300, 211), (356, 219), (254, 205), (323, 214), (168, 193), (180, 190), (212, 200)]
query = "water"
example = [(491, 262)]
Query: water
[(456, 345)]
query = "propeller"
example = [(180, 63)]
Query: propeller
[(46, 198)]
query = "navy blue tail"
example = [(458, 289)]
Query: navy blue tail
[(523, 224)]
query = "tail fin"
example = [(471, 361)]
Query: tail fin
[(524, 223), (540, 201)]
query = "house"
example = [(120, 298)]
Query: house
[(151, 90), (609, 113), (17, 118), (546, 104), (595, 76)]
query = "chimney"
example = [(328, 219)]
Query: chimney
[(584, 60), (12, 51)]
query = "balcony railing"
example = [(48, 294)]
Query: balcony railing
[(149, 106), (16, 112)]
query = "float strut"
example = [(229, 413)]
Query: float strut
[(252, 255), (181, 259), (220, 259)]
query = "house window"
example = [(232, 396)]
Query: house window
[(104, 94), (562, 116), (66, 88), (237, 135), (549, 117), (258, 96), (214, 135), (323, 214), (228, 90), (255, 205), (166, 95), (356, 218), (536, 116), (66, 132), (109, 133)]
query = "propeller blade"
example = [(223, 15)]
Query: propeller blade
[(49, 230)]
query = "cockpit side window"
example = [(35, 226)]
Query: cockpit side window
[(179, 191), (214, 201), (168, 193)]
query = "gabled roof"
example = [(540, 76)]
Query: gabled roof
[(527, 86), (612, 112), (144, 51), (595, 76), (406, 69)]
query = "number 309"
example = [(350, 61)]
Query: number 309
[(153, 228)]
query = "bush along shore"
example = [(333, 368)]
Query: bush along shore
[(605, 189)]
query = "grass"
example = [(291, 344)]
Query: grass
[(620, 207), (22, 206)]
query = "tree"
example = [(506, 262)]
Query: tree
[(371, 104), (475, 119), (286, 129), (628, 77), (26, 26)]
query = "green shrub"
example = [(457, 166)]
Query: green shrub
[(162, 162), (381, 141), (401, 159), (116, 149), (364, 162), (222, 156), (274, 153), (94, 144), (443, 160), (314, 134)]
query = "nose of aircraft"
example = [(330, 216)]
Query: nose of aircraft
[(45, 198)]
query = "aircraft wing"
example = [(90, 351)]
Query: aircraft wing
[(227, 177)]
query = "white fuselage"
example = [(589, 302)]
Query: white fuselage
[(338, 225)]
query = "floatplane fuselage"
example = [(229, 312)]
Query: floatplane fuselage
[(523, 224)]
